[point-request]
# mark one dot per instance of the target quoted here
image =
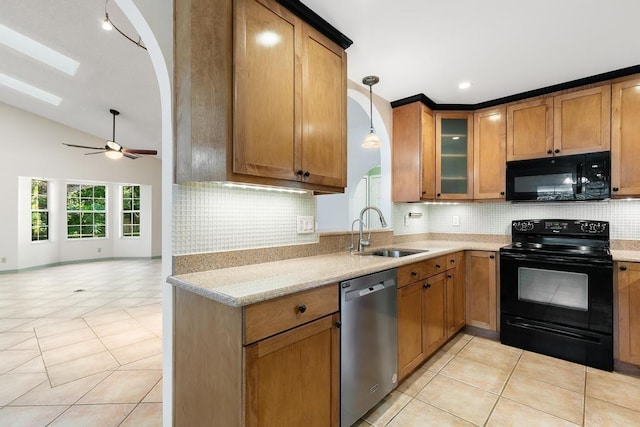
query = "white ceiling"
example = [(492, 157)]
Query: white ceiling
[(503, 47)]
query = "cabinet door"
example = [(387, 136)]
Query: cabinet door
[(322, 155), (435, 313), (410, 345), (625, 139), (481, 283), (454, 156), (292, 379), (489, 154), (530, 129), (456, 297), (629, 312), (582, 121), (266, 124), (413, 153)]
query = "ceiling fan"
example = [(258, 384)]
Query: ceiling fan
[(112, 149)]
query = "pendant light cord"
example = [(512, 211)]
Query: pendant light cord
[(371, 105)]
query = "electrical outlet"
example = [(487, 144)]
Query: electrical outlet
[(3, 260), (99, 250), (305, 224), (455, 220)]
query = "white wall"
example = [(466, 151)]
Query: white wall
[(33, 148)]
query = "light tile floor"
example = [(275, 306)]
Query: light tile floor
[(476, 381), (81, 345)]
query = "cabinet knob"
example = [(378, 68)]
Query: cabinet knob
[(437, 265), (414, 273), (299, 172), (557, 150), (438, 195), (449, 276), (623, 268), (453, 261), (426, 286), (302, 308), (615, 189), (502, 193), (306, 174), (549, 152), (338, 324), (492, 256)]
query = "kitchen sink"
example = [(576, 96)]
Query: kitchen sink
[(395, 253)]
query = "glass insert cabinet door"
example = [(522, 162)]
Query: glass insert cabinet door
[(454, 170)]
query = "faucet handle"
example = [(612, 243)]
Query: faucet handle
[(365, 243)]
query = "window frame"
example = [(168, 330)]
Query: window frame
[(83, 200), (38, 211), (131, 212)]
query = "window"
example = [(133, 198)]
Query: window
[(86, 211), (131, 211), (39, 211)]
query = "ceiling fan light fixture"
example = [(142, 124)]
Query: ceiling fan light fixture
[(371, 140), (106, 24), (112, 145), (113, 155)]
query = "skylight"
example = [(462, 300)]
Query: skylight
[(37, 51), (30, 90)]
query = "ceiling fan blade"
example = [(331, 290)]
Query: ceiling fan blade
[(136, 151), (129, 155), (83, 146), (95, 152)]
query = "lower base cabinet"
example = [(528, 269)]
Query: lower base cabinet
[(481, 290), (628, 302), (430, 311), (287, 377)]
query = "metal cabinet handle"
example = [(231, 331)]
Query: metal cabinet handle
[(453, 261), (306, 174), (302, 308), (438, 195), (492, 256), (557, 150), (549, 152), (338, 324), (449, 276), (426, 286), (299, 172), (437, 265), (615, 189), (414, 273), (623, 268), (502, 193)]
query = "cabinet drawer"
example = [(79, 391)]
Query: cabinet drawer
[(410, 273), (267, 318)]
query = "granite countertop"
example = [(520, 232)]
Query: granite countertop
[(625, 255), (249, 284)]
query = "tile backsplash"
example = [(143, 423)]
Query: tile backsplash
[(495, 218), (210, 217)]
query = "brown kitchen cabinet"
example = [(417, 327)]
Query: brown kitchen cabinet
[(574, 122), (413, 154), (260, 97), (481, 289), (455, 294), (489, 153), (625, 138), (628, 302), (266, 364), (429, 310), (454, 156)]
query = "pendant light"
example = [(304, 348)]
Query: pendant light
[(372, 140)]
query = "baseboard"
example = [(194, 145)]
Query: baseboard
[(80, 261)]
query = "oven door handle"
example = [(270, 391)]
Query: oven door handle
[(526, 325), (555, 260)]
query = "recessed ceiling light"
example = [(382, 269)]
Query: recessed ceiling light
[(27, 89), (464, 85), (37, 51)]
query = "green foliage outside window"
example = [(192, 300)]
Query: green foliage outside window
[(86, 211), (39, 210), (131, 211)]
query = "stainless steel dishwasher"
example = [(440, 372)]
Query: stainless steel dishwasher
[(368, 343)]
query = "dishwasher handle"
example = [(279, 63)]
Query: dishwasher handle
[(367, 290)]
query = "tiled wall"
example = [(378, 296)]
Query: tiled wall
[(209, 217), (495, 218)]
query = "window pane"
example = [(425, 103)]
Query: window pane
[(126, 204), (100, 204), (136, 205), (100, 191), (136, 191), (73, 231)]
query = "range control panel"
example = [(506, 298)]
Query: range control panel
[(561, 227)]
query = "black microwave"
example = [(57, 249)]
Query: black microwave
[(563, 178)]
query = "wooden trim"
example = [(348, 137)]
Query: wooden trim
[(317, 22)]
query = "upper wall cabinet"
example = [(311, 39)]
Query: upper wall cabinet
[(489, 136), (572, 123), (413, 156), (261, 97), (625, 139), (454, 156)]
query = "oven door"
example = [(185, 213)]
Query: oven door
[(558, 289)]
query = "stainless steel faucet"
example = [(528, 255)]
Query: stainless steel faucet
[(362, 243)]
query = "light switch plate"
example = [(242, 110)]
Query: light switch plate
[(455, 220), (305, 224)]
